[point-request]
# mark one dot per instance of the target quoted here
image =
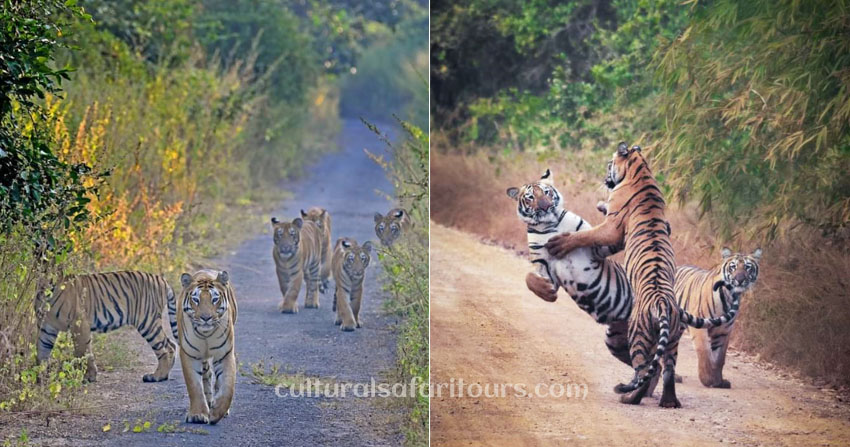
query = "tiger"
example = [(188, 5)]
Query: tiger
[(205, 326), (706, 293), (636, 223), (323, 219), (391, 227), (297, 256), (599, 286), (349, 266), (103, 302)]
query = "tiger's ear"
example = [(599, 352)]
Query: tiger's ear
[(400, 213), (324, 212), (378, 217), (757, 254), (345, 243), (367, 246), (513, 192), (274, 220), (185, 280), (303, 214), (636, 148), (223, 277), (298, 222), (546, 177), (725, 253), (623, 149)]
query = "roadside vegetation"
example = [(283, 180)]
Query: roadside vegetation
[(139, 135), (742, 108)]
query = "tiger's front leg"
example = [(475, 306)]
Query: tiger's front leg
[(225, 386), (312, 278), (193, 372), (81, 334), (344, 316), (356, 299), (605, 234), (290, 287)]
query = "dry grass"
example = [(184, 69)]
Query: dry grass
[(798, 315)]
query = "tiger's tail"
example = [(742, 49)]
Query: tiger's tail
[(652, 370), (171, 302), (700, 323)]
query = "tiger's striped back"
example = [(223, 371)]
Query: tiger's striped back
[(104, 302)]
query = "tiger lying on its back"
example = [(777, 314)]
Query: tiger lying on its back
[(636, 219), (323, 220), (103, 302), (297, 256), (349, 267), (708, 293), (599, 286), (391, 227), (205, 324)]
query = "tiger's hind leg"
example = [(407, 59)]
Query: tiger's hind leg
[(162, 346), (719, 343), (81, 334), (617, 341), (668, 395), (634, 397)]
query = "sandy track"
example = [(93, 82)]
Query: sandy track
[(487, 328)]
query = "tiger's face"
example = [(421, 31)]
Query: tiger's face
[(388, 228), (539, 202), (203, 300), (355, 258), (740, 271), (618, 167), (317, 215), (287, 236)]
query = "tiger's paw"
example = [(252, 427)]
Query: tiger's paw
[(347, 327), (723, 384), (669, 403), (197, 418), (311, 305), (560, 245), (359, 323), (623, 388), (148, 378), (541, 287), (288, 309)]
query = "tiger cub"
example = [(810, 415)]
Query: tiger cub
[(599, 286), (709, 293), (349, 266), (636, 221), (391, 227), (323, 219), (297, 256), (103, 302), (205, 323)]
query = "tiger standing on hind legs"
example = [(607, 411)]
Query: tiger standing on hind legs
[(205, 326), (636, 222)]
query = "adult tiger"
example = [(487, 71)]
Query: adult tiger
[(391, 227), (103, 302), (349, 267), (708, 293), (323, 220), (205, 325), (599, 286), (636, 222), (297, 256)]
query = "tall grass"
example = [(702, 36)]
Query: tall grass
[(405, 265), (796, 315)]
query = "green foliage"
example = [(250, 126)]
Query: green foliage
[(406, 267), (758, 114)]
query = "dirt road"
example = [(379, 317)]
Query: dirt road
[(486, 328), (344, 182)]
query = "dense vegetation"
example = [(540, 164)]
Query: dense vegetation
[(742, 106), (130, 131)]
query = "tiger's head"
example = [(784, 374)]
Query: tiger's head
[(318, 215), (624, 159), (204, 299), (355, 257), (739, 270), (287, 236), (389, 228), (538, 202)]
